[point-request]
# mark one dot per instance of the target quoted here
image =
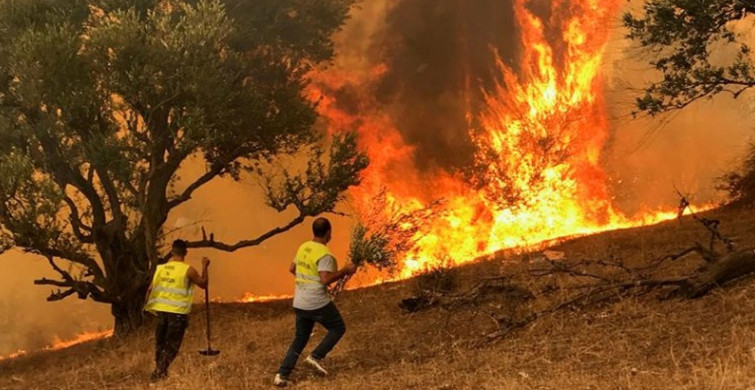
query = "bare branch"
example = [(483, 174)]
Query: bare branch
[(83, 288), (507, 325), (50, 282), (77, 224), (557, 267), (112, 194), (211, 243), (92, 267), (60, 295), (711, 225), (204, 179)]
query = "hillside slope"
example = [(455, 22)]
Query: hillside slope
[(638, 343)]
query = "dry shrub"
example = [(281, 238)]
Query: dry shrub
[(740, 184), (440, 279)]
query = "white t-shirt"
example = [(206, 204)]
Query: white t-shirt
[(315, 296)]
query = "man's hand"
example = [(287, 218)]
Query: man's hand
[(194, 276), (350, 269)]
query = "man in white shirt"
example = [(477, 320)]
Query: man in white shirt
[(315, 269)]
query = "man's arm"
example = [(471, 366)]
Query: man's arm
[(193, 275), (328, 278), (146, 297), (149, 289)]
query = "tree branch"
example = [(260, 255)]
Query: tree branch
[(50, 282), (77, 224), (67, 175), (112, 194), (202, 180), (60, 295), (91, 266), (84, 289), (211, 243), (507, 325)]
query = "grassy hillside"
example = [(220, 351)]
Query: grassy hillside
[(637, 343)]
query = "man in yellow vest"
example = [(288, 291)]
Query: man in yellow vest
[(315, 269), (170, 298)]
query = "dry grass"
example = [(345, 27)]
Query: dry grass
[(640, 343)]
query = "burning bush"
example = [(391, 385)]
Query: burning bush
[(371, 248), (387, 235)]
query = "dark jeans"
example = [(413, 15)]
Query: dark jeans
[(168, 337), (330, 318)]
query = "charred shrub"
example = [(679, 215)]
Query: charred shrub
[(441, 279)]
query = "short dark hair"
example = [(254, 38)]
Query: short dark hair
[(179, 247), (321, 227)]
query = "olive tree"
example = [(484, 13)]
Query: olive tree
[(103, 101)]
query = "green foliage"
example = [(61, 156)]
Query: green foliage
[(102, 101), (373, 249), (321, 185), (683, 37), (29, 205)]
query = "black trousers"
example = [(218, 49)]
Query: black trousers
[(169, 335), (330, 318)]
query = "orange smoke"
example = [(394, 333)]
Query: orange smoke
[(539, 140)]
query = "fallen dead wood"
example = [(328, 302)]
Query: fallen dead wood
[(564, 284), (730, 267), (499, 287)]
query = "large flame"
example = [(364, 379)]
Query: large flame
[(538, 174)]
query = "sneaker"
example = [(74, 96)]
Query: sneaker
[(280, 381), (316, 365)]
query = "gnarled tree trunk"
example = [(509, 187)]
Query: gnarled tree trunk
[(129, 261), (128, 316)]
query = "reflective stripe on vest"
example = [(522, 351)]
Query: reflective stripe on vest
[(168, 302), (306, 264), (307, 277), (172, 291), (180, 291)]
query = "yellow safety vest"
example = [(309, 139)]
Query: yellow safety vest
[(172, 291), (306, 264)]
